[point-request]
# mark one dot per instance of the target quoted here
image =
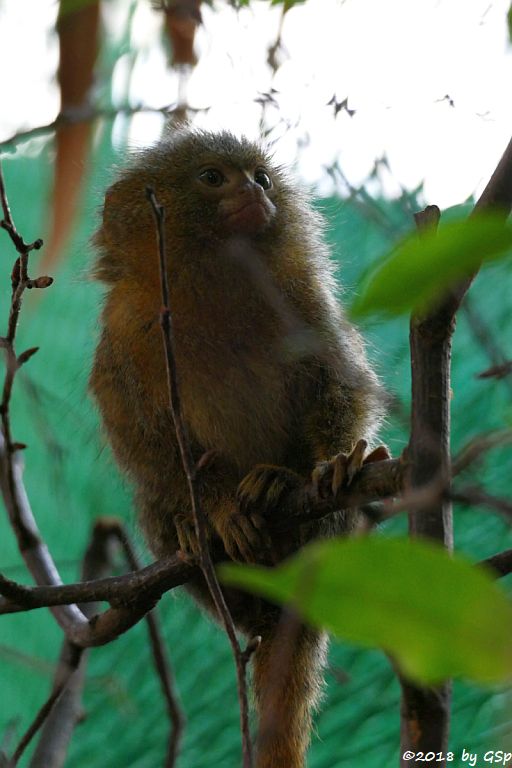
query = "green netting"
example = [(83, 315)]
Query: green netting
[(71, 479)]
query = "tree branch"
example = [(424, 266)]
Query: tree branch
[(501, 563), (375, 481), (79, 630), (65, 712), (189, 466), (86, 113), (160, 657), (497, 197), (425, 713)]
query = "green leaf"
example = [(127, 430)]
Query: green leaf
[(439, 616), (420, 269), (509, 22)]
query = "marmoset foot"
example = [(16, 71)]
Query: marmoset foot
[(245, 536), (329, 477), (262, 494), (266, 486), (186, 532)]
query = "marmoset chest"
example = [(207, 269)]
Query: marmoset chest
[(234, 372)]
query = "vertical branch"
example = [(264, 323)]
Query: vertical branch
[(190, 468), (160, 659), (65, 676), (31, 546), (62, 710), (20, 281), (430, 340), (425, 712)]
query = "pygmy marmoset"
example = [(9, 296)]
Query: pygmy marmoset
[(273, 380)]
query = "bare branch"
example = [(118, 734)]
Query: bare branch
[(86, 113), (147, 584), (79, 630), (425, 713), (483, 334), (160, 658), (374, 482), (31, 546), (47, 707), (478, 447), (66, 711), (500, 563), (429, 455), (497, 371), (190, 469), (476, 496), (497, 196)]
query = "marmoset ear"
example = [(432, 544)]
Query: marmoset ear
[(116, 218), (126, 211)]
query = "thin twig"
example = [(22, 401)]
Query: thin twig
[(375, 481), (497, 371), (86, 113), (501, 563), (160, 657), (30, 544), (478, 447), (61, 711), (478, 497), (45, 711), (190, 469), (483, 334), (58, 728), (79, 630)]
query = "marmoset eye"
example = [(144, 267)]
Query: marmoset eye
[(212, 177), (262, 178)]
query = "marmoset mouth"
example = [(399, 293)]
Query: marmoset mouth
[(250, 217)]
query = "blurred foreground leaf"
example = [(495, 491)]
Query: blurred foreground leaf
[(420, 269), (439, 616)]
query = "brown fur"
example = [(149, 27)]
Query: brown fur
[(269, 372)]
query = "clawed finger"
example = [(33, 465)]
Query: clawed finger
[(245, 542), (328, 477), (339, 472), (381, 453), (186, 533), (318, 477), (252, 488), (355, 460)]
